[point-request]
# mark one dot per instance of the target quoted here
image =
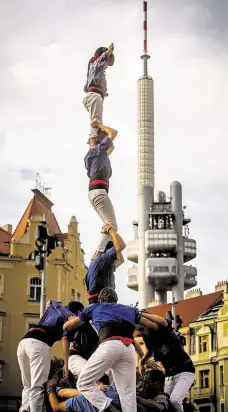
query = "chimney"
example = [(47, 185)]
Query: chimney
[(194, 293), (153, 303), (8, 228), (222, 286)]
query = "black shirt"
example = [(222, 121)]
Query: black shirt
[(165, 346)]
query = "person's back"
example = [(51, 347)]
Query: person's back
[(101, 272), (167, 349), (110, 313), (97, 162)]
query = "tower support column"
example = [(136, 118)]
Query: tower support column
[(176, 201), (145, 198)]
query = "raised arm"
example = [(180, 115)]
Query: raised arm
[(117, 240), (110, 149), (112, 133)]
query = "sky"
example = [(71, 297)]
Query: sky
[(44, 50)]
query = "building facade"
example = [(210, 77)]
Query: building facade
[(209, 352), (20, 284), (205, 327)]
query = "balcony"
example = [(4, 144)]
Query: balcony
[(190, 279), (202, 393), (189, 249), (133, 278), (161, 272), (132, 250), (160, 241)]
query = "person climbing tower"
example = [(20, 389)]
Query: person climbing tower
[(96, 85), (99, 171)]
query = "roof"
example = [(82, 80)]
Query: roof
[(5, 238), (39, 205), (189, 309), (211, 313)]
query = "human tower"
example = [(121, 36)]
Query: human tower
[(98, 341)]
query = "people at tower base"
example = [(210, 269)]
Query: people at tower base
[(115, 324), (33, 354), (165, 346), (83, 341), (73, 400)]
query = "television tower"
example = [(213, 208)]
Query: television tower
[(159, 247)]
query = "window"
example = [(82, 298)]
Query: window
[(222, 407), (78, 297), (2, 363), (73, 294), (221, 374), (192, 343), (1, 285), (161, 269), (1, 324), (203, 343), (35, 289), (204, 379)]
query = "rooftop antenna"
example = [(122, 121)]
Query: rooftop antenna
[(145, 55)]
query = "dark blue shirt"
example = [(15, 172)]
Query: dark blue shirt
[(97, 160), (84, 340), (106, 312), (101, 272)]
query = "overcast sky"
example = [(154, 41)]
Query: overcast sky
[(44, 51)]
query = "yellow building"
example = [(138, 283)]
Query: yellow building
[(205, 327), (20, 284), (209, 352)]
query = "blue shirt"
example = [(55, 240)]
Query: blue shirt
[(106, 312), (101, 272), (97, 160), (81, 404)]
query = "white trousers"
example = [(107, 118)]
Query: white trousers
[(93, 103), (76, 364), (121, 360), (34, 362), (102, 204), (177, 387)]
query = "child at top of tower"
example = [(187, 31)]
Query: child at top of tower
[(96, 85)]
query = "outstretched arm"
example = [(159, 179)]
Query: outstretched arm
[(66, 348), (155, 318), (68, 393), (153, 404), (72, 323), (138, 349)]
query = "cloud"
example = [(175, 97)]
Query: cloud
[(44, 51)]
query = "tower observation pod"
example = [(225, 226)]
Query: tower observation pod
[(161, 245)]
